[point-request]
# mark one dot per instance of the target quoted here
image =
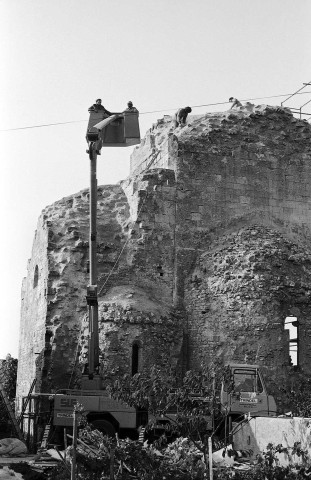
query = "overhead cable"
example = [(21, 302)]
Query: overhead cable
[(153, 111), (42, 125)]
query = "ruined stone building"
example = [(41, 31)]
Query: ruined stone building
[(203, 251)]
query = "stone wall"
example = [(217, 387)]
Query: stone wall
[(49, 334), (202, 253), (135, 279), (242, 236), (34, 308)]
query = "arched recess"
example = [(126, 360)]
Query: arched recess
[(135, 357), (36, 277)]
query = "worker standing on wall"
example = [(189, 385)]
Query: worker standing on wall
[(96, 107), (180, 116), (235, 102)]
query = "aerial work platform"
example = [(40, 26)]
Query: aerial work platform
[(118, 130)]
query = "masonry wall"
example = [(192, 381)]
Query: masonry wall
[(156, 149), (243, 235), (141, 311), (49, 331), (203, 252), (33, 308), (135, 281)]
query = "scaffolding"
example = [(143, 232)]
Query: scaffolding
[(35, 421)]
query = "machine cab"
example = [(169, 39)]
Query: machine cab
[(118, 130), (245, 392)]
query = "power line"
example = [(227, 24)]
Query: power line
[(153, 111), (42, 125), (223, 103)]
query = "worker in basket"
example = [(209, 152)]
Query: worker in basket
[(96, 107)]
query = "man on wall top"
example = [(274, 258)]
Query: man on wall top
[(180, 116), (235, 102)]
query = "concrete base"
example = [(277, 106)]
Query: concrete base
[(256, 433)]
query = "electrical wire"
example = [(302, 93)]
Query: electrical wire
[(154, 111), (223, 103), (42, 125)]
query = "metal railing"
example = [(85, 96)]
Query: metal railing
[(299, 110)]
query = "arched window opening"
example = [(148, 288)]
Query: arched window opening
[(47, 338), (291, 324), (135, 358), (36, 277)]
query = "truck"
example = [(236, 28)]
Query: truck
[(242, 393)]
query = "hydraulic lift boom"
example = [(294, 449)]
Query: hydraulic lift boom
[(117, 130)]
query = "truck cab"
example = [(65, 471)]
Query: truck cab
[(244, 392)]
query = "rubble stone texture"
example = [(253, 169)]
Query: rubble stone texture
[(203, 251)]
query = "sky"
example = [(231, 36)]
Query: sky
[(58, 56)]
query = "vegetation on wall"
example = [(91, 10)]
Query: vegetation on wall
[(8, 374)]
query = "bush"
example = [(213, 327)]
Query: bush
[(299, 397), (268, 469), (8, 374), (98, 456), (129, 459)]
